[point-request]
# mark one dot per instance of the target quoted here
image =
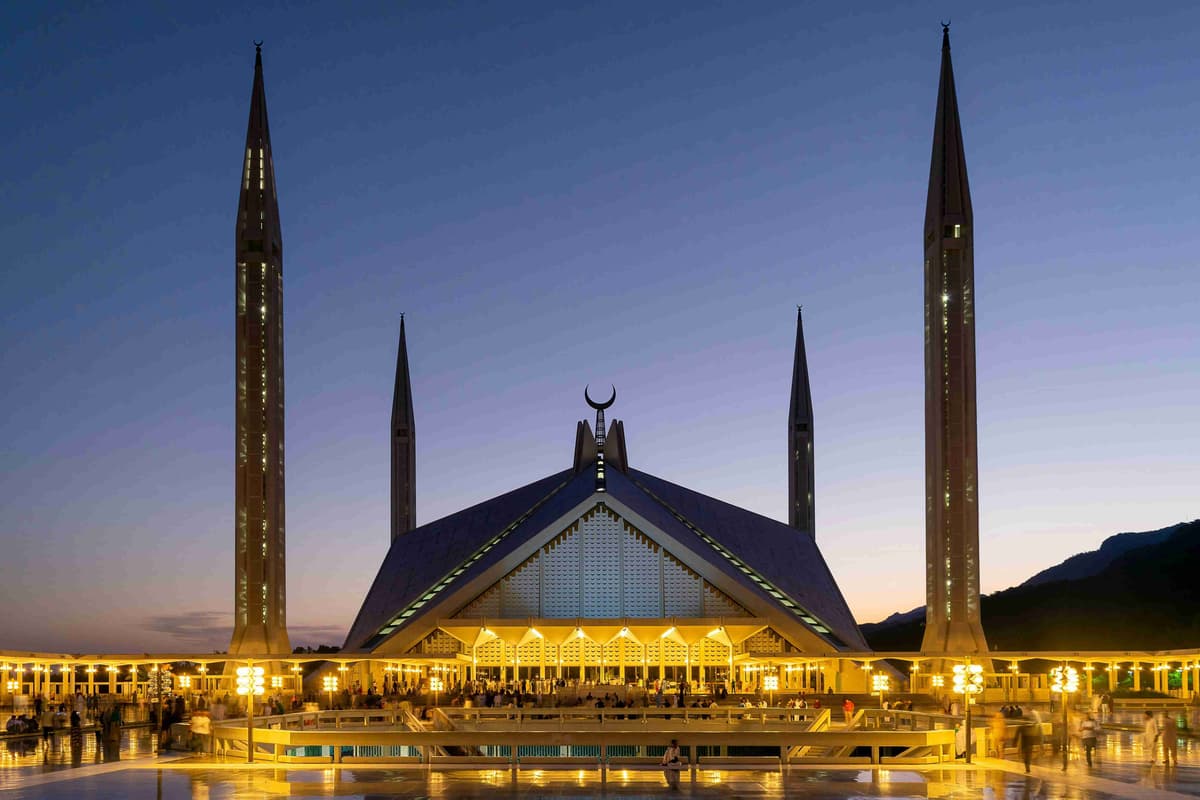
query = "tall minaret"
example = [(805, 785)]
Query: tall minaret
[(260, 619), (404, 446), (801, 508), (952, 623)]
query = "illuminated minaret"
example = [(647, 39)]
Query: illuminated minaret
[(801, 508), (260, 622), (404, 446), (952, 623)]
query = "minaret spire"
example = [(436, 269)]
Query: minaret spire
[(404, 446), (260, 617), (801, 507), (952, 619)]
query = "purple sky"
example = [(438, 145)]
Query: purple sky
[(558, 194)]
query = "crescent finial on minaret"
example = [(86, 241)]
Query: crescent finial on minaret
[(600, 435), (599, 406), (258, 46)]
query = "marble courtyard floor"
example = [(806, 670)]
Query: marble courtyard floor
[(37, 770)]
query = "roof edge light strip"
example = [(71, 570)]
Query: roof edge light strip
[(809, 619), (428, 596)]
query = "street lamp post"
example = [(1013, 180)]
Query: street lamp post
[(771, 684), (968, 681), (250, 685), (435, 685), (880, 683), (1064, 680), (330, 684)]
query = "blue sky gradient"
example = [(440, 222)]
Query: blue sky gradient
[(557, 194)]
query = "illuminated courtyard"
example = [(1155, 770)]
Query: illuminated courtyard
[(32, 768)]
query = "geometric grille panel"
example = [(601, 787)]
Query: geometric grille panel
[(719, 604), (641, 584), (765, 641), (600, 556), (602, 567), (520, 591), (560, 576), (681, 590)]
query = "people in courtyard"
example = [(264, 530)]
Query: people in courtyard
[(672, 764), (848, 709), (999, 729), (1150, 734), (1169, 735), (1027, 736), (76, 739), (1089, 731)]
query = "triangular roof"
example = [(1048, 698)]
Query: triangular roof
[(763, 557)]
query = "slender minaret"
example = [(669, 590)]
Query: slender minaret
[(404, 446), (801, 508), (952, 623), (260, 619)]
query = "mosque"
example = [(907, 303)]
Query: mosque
[(602, 572)]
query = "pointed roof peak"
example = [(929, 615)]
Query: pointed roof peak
[(402, 402), (258, 231), (801, 405), (949, 198)]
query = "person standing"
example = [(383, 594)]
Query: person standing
[(47, 721), (672, 764), (848, 709), (1088, 732), (1170, 741), (999, 728), (76, 739), (1150, 735)]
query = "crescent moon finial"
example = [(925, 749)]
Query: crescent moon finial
[(599, 406), (258, 45), (946, 25)]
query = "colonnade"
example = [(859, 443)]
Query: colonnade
[(56, 677)]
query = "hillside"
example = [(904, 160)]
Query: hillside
[(1138, 591)]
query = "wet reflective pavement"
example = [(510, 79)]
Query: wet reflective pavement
[(215, 783), (1122, 770)]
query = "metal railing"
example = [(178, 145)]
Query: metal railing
[(365, 735)]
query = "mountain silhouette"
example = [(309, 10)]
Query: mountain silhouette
[(1138, 591)]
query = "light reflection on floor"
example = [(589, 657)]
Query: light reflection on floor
[(44, 771)]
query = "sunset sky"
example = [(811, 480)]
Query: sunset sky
[(556, 194)]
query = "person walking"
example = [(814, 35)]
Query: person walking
[(1025, 740), (1089, 729), (1150, 735), (848, 709)]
